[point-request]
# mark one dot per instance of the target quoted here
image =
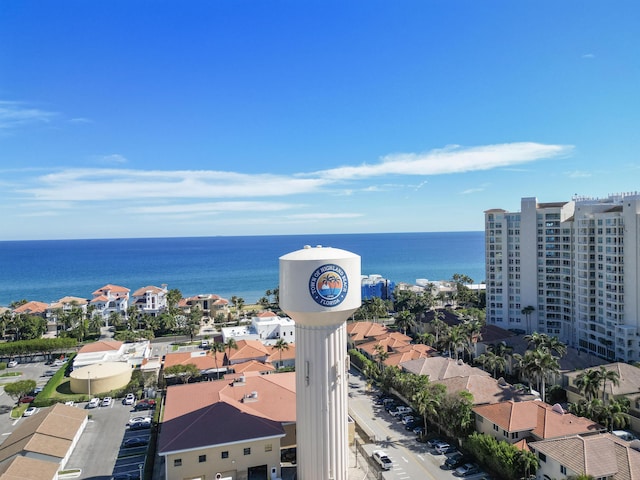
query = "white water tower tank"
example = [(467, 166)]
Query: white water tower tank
[(319, 290)]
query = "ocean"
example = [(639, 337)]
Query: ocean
[(47, 270)]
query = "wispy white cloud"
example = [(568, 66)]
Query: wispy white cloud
[(15, 114), (214, 207), (588, 55), (80, 120), (124, 184), (449, 160), (472, 190)]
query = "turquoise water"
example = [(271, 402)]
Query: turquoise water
[(227, 266)]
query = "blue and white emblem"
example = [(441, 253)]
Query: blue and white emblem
[(328, 285)]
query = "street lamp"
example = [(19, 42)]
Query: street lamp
[(89, 382), (140, 469)]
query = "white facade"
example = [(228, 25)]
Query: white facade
[(577, 263), (150, 300), (265, 327), (320, 289)]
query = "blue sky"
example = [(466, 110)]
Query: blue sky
[(173, 118)]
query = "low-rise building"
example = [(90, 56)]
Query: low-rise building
[(110, 299), (602, 456), (236, 427), (265, 326), (532, 420), (150, 300)]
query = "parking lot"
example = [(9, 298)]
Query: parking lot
[(100, 453)]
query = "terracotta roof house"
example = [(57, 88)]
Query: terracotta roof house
[(235, 427), (359, 332), (484, 389), (440, 368), (602, 456), (284, 358), (247, 350), (110, 299), (150, 300), (64, 305), (32, 308), (409, 352), (49, 436), (628, 387), (533, 420), (253, 366), (209, 303)]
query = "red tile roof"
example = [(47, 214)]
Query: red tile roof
[(101, 346), (359, 331), (225, 411), (32, 307)]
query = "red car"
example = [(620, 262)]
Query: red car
[(27, 399), (146, 404)]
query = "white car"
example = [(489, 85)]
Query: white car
[(29, 411), (12, 363), (106, 401), (130, 399), (140, 420), (382, 459), (93, 403)]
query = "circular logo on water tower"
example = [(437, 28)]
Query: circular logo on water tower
[(328, 285)]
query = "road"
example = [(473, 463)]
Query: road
[(410, 458)]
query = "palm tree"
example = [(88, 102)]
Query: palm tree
[(439, 326), (230, 344), (405, 320), (588, 383), (281, 345), (457, 341), (426, 339), (217, 347), (427, 404), (605, 376), (381, 354), (527, 311)]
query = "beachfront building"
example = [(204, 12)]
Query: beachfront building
[(65, 307), (373, 286), (150, 300), (110, 299), (568, 269), (265, 326), (210, 304)]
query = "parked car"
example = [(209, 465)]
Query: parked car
[(467, 469), (146, 404), (382, 459), (401, 410), (139, 425), (130, 399), (443, 447), (140, 419), (12, 363), (454, 461), (27, 399), (135, 442), (49, 373), (106, 401), (93, 403), (29, 411), (434, 441)]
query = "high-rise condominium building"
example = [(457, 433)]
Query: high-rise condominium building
[(568, 269)]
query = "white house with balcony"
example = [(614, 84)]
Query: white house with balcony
[(150, 300), (110, 299)]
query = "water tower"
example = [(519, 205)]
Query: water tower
[(319, 290)]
